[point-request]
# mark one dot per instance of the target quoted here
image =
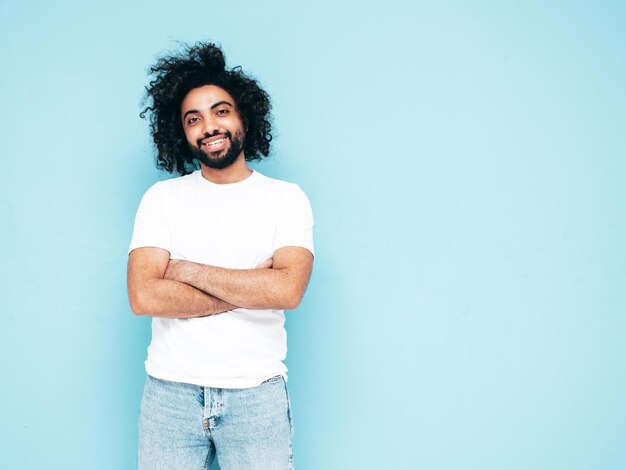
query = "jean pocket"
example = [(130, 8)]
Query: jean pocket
[(276, 378)]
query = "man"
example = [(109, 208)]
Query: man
[(217, 254)]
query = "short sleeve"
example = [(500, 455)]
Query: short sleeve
[(151, 224), (295, 221)]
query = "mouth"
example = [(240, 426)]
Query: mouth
[(215, 143)]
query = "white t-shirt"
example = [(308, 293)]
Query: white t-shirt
[(235, 226)]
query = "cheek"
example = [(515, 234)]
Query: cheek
[(238, 127), (190, 135)]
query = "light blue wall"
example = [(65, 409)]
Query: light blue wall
[(466, 162)]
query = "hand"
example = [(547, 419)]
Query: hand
[(267, 264)]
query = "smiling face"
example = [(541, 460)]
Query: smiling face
[(213, 126)]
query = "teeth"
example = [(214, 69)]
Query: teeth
[(215, 142)]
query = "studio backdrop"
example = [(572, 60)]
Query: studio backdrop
[(466, 165)]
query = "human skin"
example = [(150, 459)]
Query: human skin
[(160, 287), (280, 287), (207, 114), (150, 294)]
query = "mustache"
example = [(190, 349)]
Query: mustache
[(206, 135)]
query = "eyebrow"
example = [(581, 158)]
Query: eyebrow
[(219, 103)]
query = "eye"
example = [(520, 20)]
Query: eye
[(192, 120), (222, 112)]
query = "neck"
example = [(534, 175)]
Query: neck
[(234, 173)]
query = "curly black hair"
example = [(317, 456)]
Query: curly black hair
[(196, 66)]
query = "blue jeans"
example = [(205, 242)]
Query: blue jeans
[(184, 426)]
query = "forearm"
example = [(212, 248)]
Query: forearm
[(248, 288), (172, 299)]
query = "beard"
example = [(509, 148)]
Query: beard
[(214, 159)]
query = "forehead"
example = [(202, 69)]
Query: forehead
[(204, 97)]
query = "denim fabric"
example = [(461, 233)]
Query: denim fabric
[(184, 426)]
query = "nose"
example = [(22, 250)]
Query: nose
[(209, 126)]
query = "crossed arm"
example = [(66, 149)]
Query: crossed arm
[(160, 287)]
